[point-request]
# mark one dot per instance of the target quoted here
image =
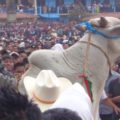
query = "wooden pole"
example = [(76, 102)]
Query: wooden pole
[(35, 5), (11, 10)]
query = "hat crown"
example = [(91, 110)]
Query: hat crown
[(47, 78), (47, 86)]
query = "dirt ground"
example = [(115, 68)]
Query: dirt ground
[(19, 17)]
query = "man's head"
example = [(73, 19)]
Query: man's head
[(19, 70), (8, 62), (60, 114), (14, 106)]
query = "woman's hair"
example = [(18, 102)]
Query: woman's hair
[(15, 106)]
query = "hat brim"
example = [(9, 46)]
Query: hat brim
[(29, 84)]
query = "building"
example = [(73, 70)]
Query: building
[(56, 8), (53, 8)]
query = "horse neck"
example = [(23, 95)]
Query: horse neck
[(75, 50), (114, 52)]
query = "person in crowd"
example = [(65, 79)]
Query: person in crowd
[(65, 44), (62, 101), (75, 99), (19, 69), (57, 46), (10, 46), (106, 112), (3, 52), (25, 63), (60, 94), (8, 65), (15, 106), (22, 54), (15, 57), (6, 75), (114, 93), (107, 102)]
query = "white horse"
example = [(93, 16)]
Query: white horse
[(69, 63)]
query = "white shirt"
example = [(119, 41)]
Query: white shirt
[(76, 99), (57, 47)]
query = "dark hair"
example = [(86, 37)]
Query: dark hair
[(15, 106), (19, 64), (21, 51), (5, 57), (60, 114), (25, 61), (4, 52), (14, 55), (119, 64)]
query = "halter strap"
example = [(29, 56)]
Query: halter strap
[(90, 28)]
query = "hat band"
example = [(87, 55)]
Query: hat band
[(43, 101)]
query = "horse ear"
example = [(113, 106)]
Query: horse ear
[(103, 22)]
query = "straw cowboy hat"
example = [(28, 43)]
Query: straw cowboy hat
[(45, 88)]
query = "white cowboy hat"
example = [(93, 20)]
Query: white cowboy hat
[(45, 89)]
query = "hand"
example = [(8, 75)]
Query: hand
[(116, 99), (117, 110)]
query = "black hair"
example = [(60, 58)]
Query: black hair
[(14, 56), (119, 64), (15, 106), (6, 56), (25, 61), (4, 52), (19, 64), (21, 50), (60, 114)]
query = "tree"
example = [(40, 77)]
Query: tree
[(78, 13)]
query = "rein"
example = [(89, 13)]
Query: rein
[(85, 64), (84, 75), (90, 28)]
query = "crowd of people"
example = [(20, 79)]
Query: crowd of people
[(17, 41)]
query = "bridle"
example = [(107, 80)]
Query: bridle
[(91, 30)]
